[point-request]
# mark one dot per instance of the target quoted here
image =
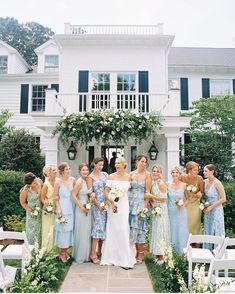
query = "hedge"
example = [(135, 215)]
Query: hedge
[(10, 184), (229, 207)]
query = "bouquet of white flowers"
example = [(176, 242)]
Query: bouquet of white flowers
[(61, 220), (204, 204), (115, 194), (48, 209), (104, 205), (88, 204), (143, 213), (179, 202), (35, 211), (157, 211), (192, 188)]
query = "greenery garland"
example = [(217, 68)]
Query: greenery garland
[(107, 125)]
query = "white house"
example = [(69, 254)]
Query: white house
[(93, 67)]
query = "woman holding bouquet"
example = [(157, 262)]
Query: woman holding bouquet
[(96, 183), (82, 225), (64, 209), (117, 248), (195, 188), (160, 232), (214, 213), (177, 202), (47, 199), (140, 186), (30, 201)]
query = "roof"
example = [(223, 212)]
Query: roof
[(202, 56)]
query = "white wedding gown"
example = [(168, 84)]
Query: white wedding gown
[(117, 249)]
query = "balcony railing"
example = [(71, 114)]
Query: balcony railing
[(114, 29), (59, 104)]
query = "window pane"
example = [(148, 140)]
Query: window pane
[(119, 78), (119, 87), (106, 86), (100, 87), (220, 87)]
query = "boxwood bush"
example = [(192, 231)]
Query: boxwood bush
[(229, 207)]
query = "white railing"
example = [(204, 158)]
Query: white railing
[(114, 29), (59, 104)]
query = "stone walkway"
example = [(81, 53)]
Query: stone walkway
[(88, 277)]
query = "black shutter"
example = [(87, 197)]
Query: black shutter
[(205, 88), (91, 154), (83, 81), (24, 98), (143, 82), (234, 87), (184, 93), (55, 86)]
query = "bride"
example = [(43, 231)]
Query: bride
[(117, 249)]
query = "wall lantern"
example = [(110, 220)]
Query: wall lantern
[(71, 151), (153, 152)]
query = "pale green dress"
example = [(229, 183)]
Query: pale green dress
[(48, 220)]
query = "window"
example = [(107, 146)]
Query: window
[(100, 82), (37, 142), (51, 63), (173, 84), (3, 64), (126, 82), (220, 87), (38, 97)]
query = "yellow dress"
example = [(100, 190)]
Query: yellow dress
[(48, 221)]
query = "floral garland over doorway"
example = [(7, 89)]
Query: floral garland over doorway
[(107, 125)]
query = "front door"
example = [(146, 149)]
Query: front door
[(110, 153)]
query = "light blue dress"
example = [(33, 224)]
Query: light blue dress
[(82, 229), (138, 225), (64, 232), (213, 220), (99, 217), (178, 220), (160, 229)]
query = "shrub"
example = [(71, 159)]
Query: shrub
[(10, 184), (14, 223), (19, 152), (229, 207)]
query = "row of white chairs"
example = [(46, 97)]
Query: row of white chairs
[(12, 251), (221, 252)]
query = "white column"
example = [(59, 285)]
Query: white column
[(172, 152), (51, 149)]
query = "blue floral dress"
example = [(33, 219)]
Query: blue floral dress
[(138, 225), (178, 220), (213, 220), (99, 217)]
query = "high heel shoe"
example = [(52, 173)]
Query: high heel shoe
[(95, 260), (138, 258)]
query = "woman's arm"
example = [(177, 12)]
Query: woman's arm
[(75, 191), (23, 199), (43, 195), (220, 189), (56, 198)]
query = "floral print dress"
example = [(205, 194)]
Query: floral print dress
[(99, 217)]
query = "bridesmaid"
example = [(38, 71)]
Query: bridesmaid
[(47, 193), (82, 225), (215, 195), (29, 200), (177, 202), (140, 187), (160, 231), (96, 184), (64, 208), (193, 211)]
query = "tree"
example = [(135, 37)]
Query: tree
[(24, 37), (4, 116), (212, 133), (19, 152)]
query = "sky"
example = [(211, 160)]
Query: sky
[(194, 23)]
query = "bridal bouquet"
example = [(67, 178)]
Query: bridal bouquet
[(157, 211), (48, 209), (61, 220), (143, 213), (192, 188), (35, 211), (104, 205), (115, 194), (204, 204), (179, 202)]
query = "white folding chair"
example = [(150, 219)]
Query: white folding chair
[(201, 255), (7, 274), (225, 265), (15, 251)]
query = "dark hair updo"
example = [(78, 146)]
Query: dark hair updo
[(29, 178)]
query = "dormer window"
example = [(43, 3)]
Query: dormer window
[(3, 64), (51, 63)]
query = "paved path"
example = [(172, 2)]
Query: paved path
[(88, 277)]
